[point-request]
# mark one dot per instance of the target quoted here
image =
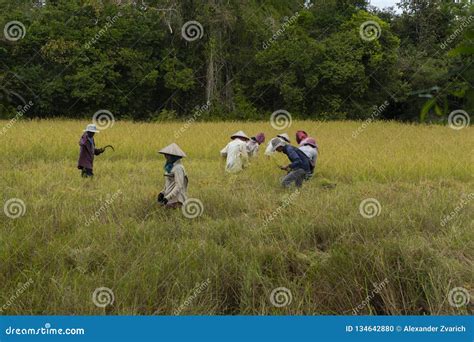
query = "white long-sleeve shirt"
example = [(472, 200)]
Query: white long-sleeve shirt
[(269, 150), (252, 148), (237, 156), (311, 152)]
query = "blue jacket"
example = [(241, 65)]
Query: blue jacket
[(298, 159)]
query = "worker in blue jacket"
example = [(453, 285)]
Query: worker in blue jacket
[(300, 164)]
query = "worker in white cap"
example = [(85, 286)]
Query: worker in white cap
[(299, 167), (174, 193), (88, 151), (236, 152)]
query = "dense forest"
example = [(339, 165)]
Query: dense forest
[(241, 59)]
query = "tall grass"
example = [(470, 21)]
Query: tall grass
[(318, 246)]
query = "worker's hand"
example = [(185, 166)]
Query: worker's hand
[(285, 168), (165, 201), (100, 151), (161, 197)]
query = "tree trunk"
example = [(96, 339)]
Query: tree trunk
[(210, 76)]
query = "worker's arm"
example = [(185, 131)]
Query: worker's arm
[(83, 140), (163, 191), (294, 158), (224, 151), (161, 195)]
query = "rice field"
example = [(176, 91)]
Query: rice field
[(384, 227)]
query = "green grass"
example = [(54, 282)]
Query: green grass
[(319, 246)]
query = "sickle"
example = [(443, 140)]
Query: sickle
[(113, 149)]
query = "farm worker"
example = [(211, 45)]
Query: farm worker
[(236, 152), (254, 143), (174, 193), (310, 148), (88, 151), (269, 150), (299, 167)]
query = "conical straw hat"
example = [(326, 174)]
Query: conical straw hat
[(239, 134), (173, 150)]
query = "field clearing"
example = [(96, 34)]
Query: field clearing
[(318, 246)]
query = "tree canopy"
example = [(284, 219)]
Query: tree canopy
[(162, 59)]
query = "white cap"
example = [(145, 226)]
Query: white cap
[(91, 128), (278, 142)]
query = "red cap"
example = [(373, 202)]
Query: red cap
[(301, 135)]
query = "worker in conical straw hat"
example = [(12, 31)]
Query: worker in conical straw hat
[(88, 151), (174, 193), (236, 152)]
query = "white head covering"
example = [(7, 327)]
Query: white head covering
[(91, 128), (239, 134), (284, 136), (173, 150), (274, 144)]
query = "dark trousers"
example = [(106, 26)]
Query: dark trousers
[(86, 172), (295, 176)]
